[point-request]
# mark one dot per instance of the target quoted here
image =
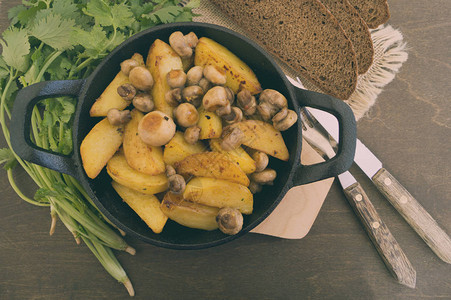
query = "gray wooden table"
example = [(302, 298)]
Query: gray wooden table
[(409, 128)]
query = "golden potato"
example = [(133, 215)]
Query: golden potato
[(141, 157), (209, 52), (188, 213), (219, 193), (177, 149), (160, 60), (210, 124), (238, 155), (99, 146), (122, 173), (264, 137), (110, 98), (214, 165), (147, 207)]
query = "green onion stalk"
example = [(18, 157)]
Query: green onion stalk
[(65, 196)]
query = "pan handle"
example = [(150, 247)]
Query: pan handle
[(20, 126), (342, 161)]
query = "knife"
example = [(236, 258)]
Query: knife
[(385, 243), (412, 211)]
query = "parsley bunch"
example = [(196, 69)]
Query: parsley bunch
[(66, 39)]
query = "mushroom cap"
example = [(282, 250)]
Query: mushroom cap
[(264, 177), (156, 128), (261, 160), (186, 115), (286, 122), (230, 220), (143, 102), (193, 94), (192, 134), (215, 75), (273, 97), (176, 79), (215, 98), (191, 39), (141, 78), (127, 65), (194, 75), (179, 44)]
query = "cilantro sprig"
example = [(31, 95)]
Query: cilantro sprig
[(66, 39)]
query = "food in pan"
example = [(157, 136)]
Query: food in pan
[(192, 128)]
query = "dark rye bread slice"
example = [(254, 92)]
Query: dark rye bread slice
[(373, 12), (305, 35), (356, 30)]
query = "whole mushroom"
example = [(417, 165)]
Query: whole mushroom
[(261, 161), (178, 42), (254, 187), (270, 103), (177, 184), (156, 128), (192, 134), (215, 75), (143, 102), (215, 98), (141, 78), (193, 94), (266, 176), (127, 65), (186, 115), (118, 117), (236, 115), (176, 79), (204, 84), (173, 97), (191, 39), (246, 102), (194, 75), (230, 220), (126, 91), (230, 95), (169, 171), (285, 121), (224, 110)]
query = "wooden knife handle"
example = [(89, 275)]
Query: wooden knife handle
[(414, 213), (387, 246)]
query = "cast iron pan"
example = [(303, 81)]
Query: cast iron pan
[(290, 173)]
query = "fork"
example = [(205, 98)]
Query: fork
[(385, 243)]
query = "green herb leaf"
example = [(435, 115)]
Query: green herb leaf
[(54, 31), (117, 15), (7, 158), (164, 15), (16, 47)]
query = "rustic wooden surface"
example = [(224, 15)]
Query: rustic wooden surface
[(409, 129)]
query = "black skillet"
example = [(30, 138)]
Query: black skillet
[(290, 173)]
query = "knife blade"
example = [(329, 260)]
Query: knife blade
[(409, 208)]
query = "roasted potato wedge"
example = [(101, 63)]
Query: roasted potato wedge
[(110, 98), (122, 173), (141, 157), (99, 146), (209, 52), (147, 207), (219, 193), (264, 137), (210, 124), (238, 155), (190, 214), (214, 165), (160, 60), (177, 149)]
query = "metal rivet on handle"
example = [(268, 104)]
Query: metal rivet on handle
[(375, 225), (358, 197), (387, 181)]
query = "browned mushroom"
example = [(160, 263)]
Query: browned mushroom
[(141, 78), (236, 115), (230, 220), (193, 94), (215, 98), (232, 138), (270, 103), (261, 161), (246, 102), (186, 115), (126, 91), (156, 128), (192, 134), (143, 102), (118, 117), (282, 122), (176, 79), (173, 97), (215, 75)]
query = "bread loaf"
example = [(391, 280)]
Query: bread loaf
[(373, 12), (356, 30), (305, 35)]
